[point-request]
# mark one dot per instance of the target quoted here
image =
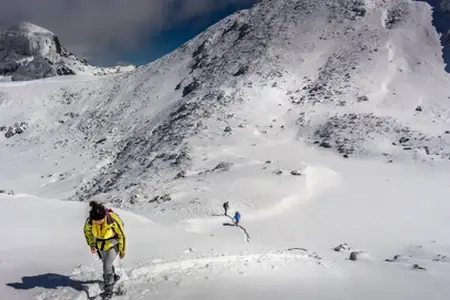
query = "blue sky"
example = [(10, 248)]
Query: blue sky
[(110, 31), (169, 39)]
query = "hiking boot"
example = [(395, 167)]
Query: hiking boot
[(107, 295)]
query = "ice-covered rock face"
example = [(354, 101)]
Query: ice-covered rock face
[(29, 52), (26, 39)]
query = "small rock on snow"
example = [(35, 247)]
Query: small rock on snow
[(403, 140), (7, 192), (417, 267), (342, 247), (358, 255), (296, 173), (180, 174), (363, 98)]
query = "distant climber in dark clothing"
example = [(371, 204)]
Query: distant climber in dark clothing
[(225, 207)]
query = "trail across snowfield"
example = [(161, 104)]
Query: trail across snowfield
[(317, 179), (147, 279)]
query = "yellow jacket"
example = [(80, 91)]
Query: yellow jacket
[(106, 235)]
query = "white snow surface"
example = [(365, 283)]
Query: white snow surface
[(29, 52), (322, 122)]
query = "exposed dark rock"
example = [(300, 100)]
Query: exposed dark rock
[(101, 141), (403, 140), (231, 28), (296, 173), (398, 258), (71, 115), (325, 145), (417, 267), (64, 70), (228, 129), (161, 199), (441, 257), (200, 49), (166, 198), (222, 167), (419, 108), (360, 11), (181, 174), (358, 255), (363, 98), (297, 249), (241, 71), (342, 247), (393, 17), (243, 31), (191, 87), (7, 192), (16, 129)]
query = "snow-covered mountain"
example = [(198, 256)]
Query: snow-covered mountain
[(347, 76), (28, 52), (322, 122), (344, 76)]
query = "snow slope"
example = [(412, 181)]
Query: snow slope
[(389, 213), (322, 122), (29, 52)]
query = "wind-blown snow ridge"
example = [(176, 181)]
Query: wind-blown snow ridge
[(28, 52)]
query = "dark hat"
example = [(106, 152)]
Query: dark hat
[(98, 211)]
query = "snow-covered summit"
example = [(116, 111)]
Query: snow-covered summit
[(28, 51)]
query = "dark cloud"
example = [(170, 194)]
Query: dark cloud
[(90, 26)]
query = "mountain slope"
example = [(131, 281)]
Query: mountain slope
[(30, 52), (344, 75)]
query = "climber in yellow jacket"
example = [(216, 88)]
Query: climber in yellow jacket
[(105, 236)]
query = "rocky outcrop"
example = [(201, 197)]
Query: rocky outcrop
[(29, 52)]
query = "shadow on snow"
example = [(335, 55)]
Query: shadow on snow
[(50, 281)]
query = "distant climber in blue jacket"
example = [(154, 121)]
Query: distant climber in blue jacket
[(237, 218)]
